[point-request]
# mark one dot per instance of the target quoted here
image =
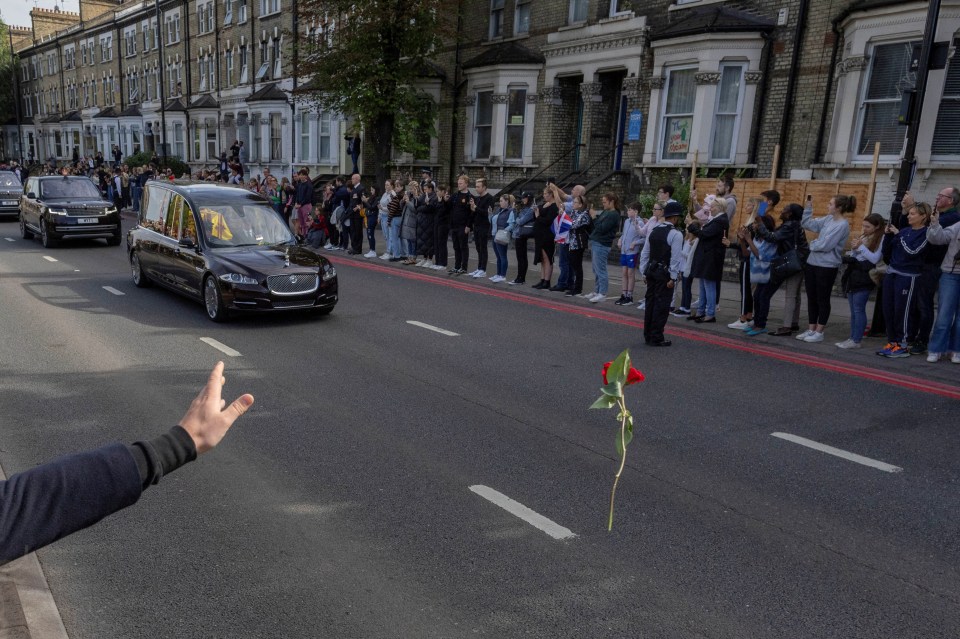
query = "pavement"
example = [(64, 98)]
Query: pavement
[(346, 503)]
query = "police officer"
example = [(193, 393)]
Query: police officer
[(660, 262)]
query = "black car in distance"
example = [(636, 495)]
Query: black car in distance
[(67, 207), (227, 248), (10, 191)]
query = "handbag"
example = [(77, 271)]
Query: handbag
[(786, 265), (502, 237)]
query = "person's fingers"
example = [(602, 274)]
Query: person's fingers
[(215, 383), (238, 407)]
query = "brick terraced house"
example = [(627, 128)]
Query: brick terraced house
[(603, 92)]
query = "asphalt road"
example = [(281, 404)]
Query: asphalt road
[(340, 506)]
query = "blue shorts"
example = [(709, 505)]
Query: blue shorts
[(628, 260)]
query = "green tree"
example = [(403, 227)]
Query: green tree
[(363, 60)]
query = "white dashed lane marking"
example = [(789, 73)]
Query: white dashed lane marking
[(9, 239), (50, 259), (110, 289), (223, 348), (435, 329), (837, 452), (517, 509)]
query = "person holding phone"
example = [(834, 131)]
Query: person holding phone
[(946, 330), (903, 250), (823, 264), (867, 250)]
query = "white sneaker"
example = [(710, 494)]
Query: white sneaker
[(804, 335), (419, 262), (847, 344), (438, 267), (813, 338), (328, 246), (479, 274), (955, 358), (370, 254), (933, 358), (642, 305), (385, 256), (494, 278), (427, 264), (596, 297), (740, 325)]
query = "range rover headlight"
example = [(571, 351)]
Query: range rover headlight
[(53, 211), (329, 272), (238, 278), (110, 211)]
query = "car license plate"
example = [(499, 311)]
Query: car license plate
[(9, 202), (87, 220)]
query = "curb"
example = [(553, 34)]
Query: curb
[(27, 607)]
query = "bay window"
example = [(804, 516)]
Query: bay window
[(677, 119), (888, 77), (726, 115)]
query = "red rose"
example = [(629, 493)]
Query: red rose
[(633, 377)]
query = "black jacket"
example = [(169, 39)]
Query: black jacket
[(708, 257), (51, 501)]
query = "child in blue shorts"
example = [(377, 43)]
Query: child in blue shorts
[(629, 244)]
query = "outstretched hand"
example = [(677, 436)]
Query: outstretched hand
[(208, 419)]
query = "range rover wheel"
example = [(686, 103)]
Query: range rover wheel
[(45, 239), (213, 301), (140, 279), (25, 233)]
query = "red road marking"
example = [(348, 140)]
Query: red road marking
[(873, 374)]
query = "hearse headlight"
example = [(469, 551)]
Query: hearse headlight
[(329, 272), (238, 278)]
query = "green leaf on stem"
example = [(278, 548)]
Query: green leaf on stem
[(613, 389), (619, 369), (605, 401)]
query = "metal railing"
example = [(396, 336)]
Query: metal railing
[(519, 183)]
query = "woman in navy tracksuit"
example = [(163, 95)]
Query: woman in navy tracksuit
[(903, 251)]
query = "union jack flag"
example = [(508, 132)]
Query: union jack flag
[(561, 227)]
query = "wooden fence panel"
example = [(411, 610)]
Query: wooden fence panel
[(795, 191)]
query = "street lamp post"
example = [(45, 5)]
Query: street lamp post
[(16, 97)]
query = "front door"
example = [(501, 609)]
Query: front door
[(575, 165), (621, 133)]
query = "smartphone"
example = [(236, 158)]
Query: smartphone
[(762, 209), (809, 198)]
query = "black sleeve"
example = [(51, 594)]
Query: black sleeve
[(163, 455), (46, 503)]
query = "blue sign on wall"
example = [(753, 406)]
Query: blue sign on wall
[(636, 119)]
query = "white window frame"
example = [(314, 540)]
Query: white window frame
[(523, 125), (228, 12), (495, 24), (572, 18), (864, 104), (269, 8), (202, 72), (244, 63), (212, 71), (275, 123), (178, 140), (304, 136), (738, 115), (228, 63), (615, 12), (951, 101), (325, 134), (664, 116), (488, 126), (243, 12), (528, 5)]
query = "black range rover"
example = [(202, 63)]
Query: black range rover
[(227, 248), (58, 207), (10, 191)]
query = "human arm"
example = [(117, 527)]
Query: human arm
[(675, 238), (51, 501), (870, 256), (809, 222), (830, 237), (644, 260), (937, 234)]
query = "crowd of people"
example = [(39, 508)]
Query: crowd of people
[(905, 263)]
